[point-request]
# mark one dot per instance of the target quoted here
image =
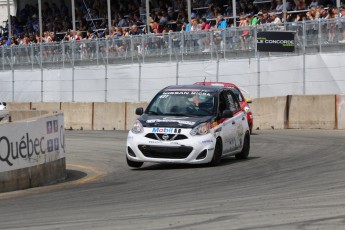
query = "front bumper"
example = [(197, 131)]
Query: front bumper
[(184, 148)]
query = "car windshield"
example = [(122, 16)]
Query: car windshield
[(183, 103)]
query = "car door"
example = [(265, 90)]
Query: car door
[(228, 124), (237, 123)]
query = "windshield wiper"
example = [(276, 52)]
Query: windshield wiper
[(178, 114), (153, 113)]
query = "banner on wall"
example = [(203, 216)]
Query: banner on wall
[(30, 143), (276, 41)]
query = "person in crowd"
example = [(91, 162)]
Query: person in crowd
[(322, 12), (245, 31), (252, 20), (172, 16), (332, 25), (342, 19), (275, 19), (260, 18), (119, 43), (90, 35), (204, 26), (265, 18), (195, 25), (221, 23), (154, 27), (312, 14), (135, 30), (162, 18), (279, 6)]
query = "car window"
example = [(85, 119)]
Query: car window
[(237, 94), (223, 102), (234, 106)]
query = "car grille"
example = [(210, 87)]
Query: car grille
[(166, 137), (167, 152)]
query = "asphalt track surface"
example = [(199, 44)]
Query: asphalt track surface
[(294, 179)]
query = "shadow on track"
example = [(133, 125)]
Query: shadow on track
[(165, 166), (73, 175)]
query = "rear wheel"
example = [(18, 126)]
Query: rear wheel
[(246, 147), (217, 155), (134, 164)]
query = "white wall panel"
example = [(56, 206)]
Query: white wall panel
[(279, 76)]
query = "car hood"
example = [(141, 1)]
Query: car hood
[(172, 121)]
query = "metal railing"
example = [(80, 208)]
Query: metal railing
[(126, 69), (319, 34)]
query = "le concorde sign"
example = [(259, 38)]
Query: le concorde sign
[(276, 41)]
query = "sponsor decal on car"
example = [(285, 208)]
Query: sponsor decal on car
[(166, 130), (186, 93), (164, 142), (171, 121), (207, 141)]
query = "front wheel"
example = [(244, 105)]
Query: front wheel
[(217, 155), (134, 164), (246, 147)]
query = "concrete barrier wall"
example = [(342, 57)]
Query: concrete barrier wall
[(48, 106), (32, 151), (130, 112), (312, 112), (109, 116), (340, 111), (17, 115), (18, 106), (78, 115), (294, 112), (269, 113), (49, 173)]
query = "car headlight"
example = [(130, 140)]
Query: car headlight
[(246, 109), (202, 129), (137, 127)]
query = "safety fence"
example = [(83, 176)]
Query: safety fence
[(175, 46), (109, 71)]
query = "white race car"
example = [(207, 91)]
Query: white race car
[(3, 111), (193, 124), (2, 105)]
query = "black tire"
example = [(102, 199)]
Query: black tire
[(217, 155), (246, 147), (134, 164)]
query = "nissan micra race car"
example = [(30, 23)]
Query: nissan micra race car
[(193, 124)]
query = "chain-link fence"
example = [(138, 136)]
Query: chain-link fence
[(106, 70)]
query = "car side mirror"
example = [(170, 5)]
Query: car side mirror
[(249, 100), (227, 114), (139, 111)]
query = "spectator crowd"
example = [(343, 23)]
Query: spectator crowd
[(128, 17)]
